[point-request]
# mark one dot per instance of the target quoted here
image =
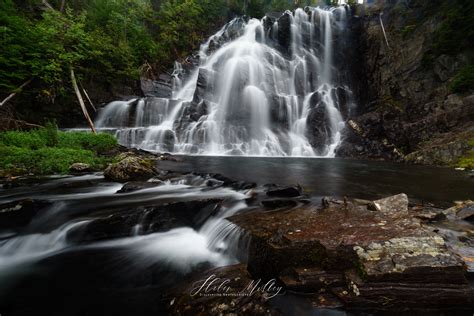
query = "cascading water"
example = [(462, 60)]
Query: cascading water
[(261, 88), (215, 241)]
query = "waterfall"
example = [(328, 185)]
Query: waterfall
[(260, 88)]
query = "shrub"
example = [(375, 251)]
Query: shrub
[(29, 140), (46, 151), (47, 160), (50, 137), (464, 80), (99, 143), (50, 133)]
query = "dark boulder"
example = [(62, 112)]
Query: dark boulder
[(169, 139), (292, 191), (342, 98), (237, 185), (146, 220), (319, 128), (204, 83), (20, 213), (284, 32), (161, 88)]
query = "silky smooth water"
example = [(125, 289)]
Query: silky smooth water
[(249, 95), (341, 177), (46, 266)]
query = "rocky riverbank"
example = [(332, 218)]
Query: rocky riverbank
[(349, 254), (356, 255)]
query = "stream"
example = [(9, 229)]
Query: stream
[(66, 260)]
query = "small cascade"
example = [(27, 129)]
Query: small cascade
[(218, 242), (35, 246), (213, 241), (265, 87)]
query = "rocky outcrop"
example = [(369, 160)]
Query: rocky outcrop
[(372, 255), (353, 254), (406, 110)]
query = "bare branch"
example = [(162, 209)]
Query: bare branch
[(88, 99), (15, 93), (81, 101), (47, 5)]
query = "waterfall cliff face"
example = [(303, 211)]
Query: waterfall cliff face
[(265, 87)]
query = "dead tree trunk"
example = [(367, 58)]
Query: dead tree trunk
[(63, 4), (81, 101)]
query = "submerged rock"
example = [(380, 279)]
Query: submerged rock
[(20, 213), (130, 169), (292, 191), (138, 185)]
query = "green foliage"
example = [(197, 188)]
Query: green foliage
[(46, 160), (100, 143), (456, 33), (48, 150), (466, 161), (256, 8), (51, 134), (407, 30), (27, 140), (50, 137), (183, 24), (464, 80), (106, 41), (19, 56)]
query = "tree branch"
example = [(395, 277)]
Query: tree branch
[(87, 96), (81, 101), (15, 93), (47, 5)]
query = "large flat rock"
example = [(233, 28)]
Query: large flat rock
[(368, 254)]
